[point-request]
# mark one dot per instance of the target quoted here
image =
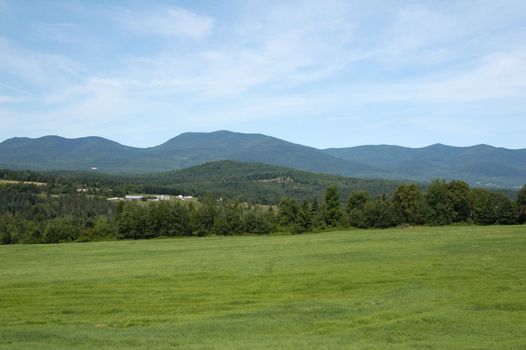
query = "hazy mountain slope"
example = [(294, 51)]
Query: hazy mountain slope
[(195, 148), (480, 164), (53, 153)]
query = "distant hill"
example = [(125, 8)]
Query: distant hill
[(195, 148), (481, 165), (188, 149), (256, 183), (250, 182), (58, 153)]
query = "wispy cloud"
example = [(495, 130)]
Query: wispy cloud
[(6, 99), (169, 22), (493, 77), (194, 67), (34, 68), (274, 49), (498, 75), (14, 89)]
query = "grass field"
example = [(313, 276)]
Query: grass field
[(10, 182), (417, 288)]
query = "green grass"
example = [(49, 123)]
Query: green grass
[(417, 288), (10, 182)]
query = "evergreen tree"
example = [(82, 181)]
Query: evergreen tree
[(521, 202), (205, 216), (288, 212), (133, 222), (304, 222), (228, 220), (314, 207), (318, 215), (333, 212)]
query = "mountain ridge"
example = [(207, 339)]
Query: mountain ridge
[(16, 138), (478, 164)]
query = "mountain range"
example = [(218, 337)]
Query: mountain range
[(481, 165)]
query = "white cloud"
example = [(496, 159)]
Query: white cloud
[(269, 48), (499, 75), (65, 33), (270, 60), (495, 76), (170, 22), (14, 89), (6, 99), (35, 68)]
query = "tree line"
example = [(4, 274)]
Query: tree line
[(27, 216), (30, 214), (442, 203), (247, 182)]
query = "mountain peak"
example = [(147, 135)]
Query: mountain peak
[(475, 164)]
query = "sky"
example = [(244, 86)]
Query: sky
[(320, 73)]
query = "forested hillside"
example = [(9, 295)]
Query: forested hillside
[(185, 150), (257, 183), (482, 165), (249, 182), (51, 208)]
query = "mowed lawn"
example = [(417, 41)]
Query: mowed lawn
[(416, 288)]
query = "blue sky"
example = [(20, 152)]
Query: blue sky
[(320, 73)]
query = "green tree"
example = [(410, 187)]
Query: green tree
[(379, 214), (61, 230), (258, 221), (356, 218), (304, 222), (333, 212), (521, 202), (492, 208), (409, 204), (438, 197), (133, 221), (205, 216), (357, 200), (25, 231), (318, 215), (5, 235), (355, 205), (288, 211), (103, 229), (229, 219), (460, 200)]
